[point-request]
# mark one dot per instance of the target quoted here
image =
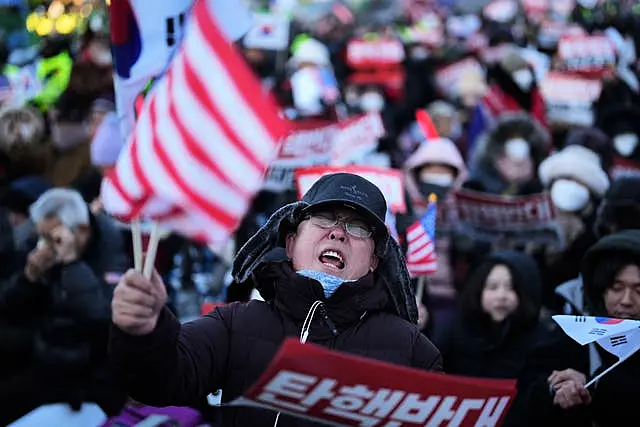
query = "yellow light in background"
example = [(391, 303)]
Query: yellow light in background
[(66, 24), (32, 22), (78, 2), (56, 9), (44, 27), (108, 2)]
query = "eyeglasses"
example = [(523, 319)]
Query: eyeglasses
[(355, 227)]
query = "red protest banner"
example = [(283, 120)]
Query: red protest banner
[(518, 218), (309, 144), (569, 98), (389, 181), (311, 382), (357, 137), (317, 143), (377, 52), (587, 54)]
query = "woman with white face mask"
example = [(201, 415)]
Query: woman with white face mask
[(576, 182)]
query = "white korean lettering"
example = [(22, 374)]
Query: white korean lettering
[(414, 410), (444, 412), (350, 402), (465, 407), (383, 402), (287, 384), (323, 391), (492, 411)]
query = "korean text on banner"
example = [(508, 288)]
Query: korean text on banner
[(586, 53), (309, 144), (389, 181), (203, 142), (518, 219), (569, 98), (310, 382), (315, 143)]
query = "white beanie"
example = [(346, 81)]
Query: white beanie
[(578, 163)]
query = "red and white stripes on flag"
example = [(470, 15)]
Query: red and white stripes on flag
[(421, 251), (203, 142)]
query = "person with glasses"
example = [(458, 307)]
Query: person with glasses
[(328, 258)]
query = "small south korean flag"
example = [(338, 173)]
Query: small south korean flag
[(270, 32)]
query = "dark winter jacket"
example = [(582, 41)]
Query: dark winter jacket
[(478, 347), (230, 347), (613, 396), (70, 307)]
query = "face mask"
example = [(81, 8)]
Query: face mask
[(625, 144), (517, 149), (569, 196), (439, 190), (443, 179), (329, 282), (352, 99), (372, 102), (523, 78), (419, 53)]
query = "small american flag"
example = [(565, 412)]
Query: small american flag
[(202, 143), (421, 252)]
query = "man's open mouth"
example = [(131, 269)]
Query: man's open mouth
[(332, 258)]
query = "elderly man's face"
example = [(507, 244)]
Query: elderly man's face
[(332, 250)]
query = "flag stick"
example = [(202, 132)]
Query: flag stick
[(420, 288), (136, 235), (152, 249), (606, 371)]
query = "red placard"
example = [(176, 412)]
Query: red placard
[(586, 53), (311, 382), (383, 52)]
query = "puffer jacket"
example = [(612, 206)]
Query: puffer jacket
[(72, 306), (230, 347)]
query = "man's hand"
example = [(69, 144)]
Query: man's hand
[(137, 303), (558, 377), (569, 388), (64, 243), (570, 394), (39, 261)]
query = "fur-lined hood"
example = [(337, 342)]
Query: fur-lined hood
[(391, 271), (511, 125)]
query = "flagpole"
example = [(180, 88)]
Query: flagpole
[(420, 289), (603, 373), (136, 236)]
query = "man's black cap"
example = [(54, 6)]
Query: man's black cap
[(352, 191)]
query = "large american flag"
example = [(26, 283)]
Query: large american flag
[(202, 143), (421, 251)]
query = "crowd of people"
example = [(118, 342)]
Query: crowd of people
[(77, 325)]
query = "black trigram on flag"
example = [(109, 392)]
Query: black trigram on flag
[(580, 319), (618, 340)]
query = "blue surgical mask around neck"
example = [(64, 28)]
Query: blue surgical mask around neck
[(329, 282)]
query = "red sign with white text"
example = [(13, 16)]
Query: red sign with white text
[(383, 52), (311, 382), (389, 181), (586, 54)]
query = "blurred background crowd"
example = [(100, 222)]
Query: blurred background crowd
[(530, 98)]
